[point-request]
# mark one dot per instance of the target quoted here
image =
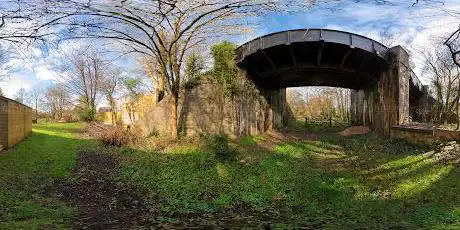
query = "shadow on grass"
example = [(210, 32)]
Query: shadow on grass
[(331, 182), (399, 183)]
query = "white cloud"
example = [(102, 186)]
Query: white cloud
[(44, 73), (14, 84)]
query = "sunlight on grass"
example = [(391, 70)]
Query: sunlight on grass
[(293, 150), (222, 171), (184, 149), (420, 182), (251, 140), (403, 161), (340, 182), (47, 155)]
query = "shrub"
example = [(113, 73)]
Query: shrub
[(218, 145), (112, 135)]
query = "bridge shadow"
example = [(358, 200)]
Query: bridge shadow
[(373, 181), (297, 178)]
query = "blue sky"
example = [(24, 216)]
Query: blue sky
[(413, 28)]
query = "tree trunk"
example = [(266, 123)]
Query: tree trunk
[(173, 121), (158, 95), (114, 117), (457, 106), (36, 110)]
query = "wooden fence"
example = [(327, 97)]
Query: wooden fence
[(326, 122), (15, 122)]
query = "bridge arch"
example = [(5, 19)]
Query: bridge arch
[(378, 75)]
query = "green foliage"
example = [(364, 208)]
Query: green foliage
[(193, 70), (218, 145), (47, 155), (132, 87), (227, 73), (85, 112), (225, 70)]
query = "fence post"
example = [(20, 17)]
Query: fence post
[(330, 121)]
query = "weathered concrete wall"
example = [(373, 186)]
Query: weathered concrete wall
[(387, 103), (424, 136), (279, 114), (15, 122), (204, 109), (421, 105)]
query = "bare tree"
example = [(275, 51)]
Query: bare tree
[(110, 85), (387, 38), (444, 76), (343, 103), (20, 96), (20, 21), (57, 99), (157, 75), (35, 96), (84, 76), (163, 29)]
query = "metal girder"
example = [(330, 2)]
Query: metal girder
[(293, 58), (320, 53), (269, 60), (311, 35), (345, 57)]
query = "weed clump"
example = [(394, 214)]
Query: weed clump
[(218, 145), (112, 135)]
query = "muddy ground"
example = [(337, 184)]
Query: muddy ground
[(104, 202)]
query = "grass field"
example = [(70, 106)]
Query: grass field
[(25, 170), (333, 182), (316, 180)]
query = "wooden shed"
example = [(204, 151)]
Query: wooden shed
[(15, 122)]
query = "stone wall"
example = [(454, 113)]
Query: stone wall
[(204, 109), (426, 136), (279, 114), (421, 105), (387, 103)]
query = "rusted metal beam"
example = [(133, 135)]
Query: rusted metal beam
[(270, 61), (293, 58), (345, 57), (320, 53)]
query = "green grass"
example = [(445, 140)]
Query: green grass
[(335, 182), (27, 169)]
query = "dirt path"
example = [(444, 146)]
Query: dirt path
[(274, 138), (101, 200)]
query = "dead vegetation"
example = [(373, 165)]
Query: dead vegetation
[(355, 130), (117, 135)]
